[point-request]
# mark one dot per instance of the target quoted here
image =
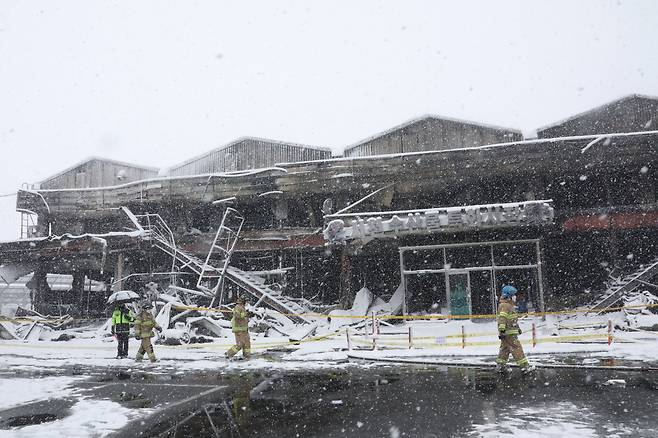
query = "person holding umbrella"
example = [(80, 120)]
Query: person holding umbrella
[(122, 317)]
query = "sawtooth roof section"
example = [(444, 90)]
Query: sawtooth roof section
[(432, 132), (207, 155), (146, 169), (633, 113)]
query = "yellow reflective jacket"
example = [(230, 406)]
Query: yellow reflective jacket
[(144, 325), (119, 317), (240, 320), (507, 318), (121, 320)]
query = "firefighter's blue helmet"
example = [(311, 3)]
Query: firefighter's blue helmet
[(508, 291)]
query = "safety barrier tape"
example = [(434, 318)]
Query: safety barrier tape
[(356, 339), (255, 345), (557, 339), (470, 335)]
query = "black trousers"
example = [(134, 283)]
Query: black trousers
[(122, 348)]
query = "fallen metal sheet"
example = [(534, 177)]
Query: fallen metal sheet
[(8, 331)]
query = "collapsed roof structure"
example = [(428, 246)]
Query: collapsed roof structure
[(588, 201)]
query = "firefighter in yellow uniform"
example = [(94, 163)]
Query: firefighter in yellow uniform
[(509, 331), (240, 328), (144, 325)]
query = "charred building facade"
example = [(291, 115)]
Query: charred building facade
[(449, 209)]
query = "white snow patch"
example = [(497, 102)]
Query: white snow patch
[(97, 418), (615, 382), (547, 420), (20, 391)]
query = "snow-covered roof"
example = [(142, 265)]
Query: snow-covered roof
[(244, 139), (596, 109), (425, 117), (159, 179), (482, 147), (95, 158)]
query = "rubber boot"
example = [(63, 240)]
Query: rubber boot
[(230, 353), (501, 368), (529, 369), (152, 357), (139, 357)]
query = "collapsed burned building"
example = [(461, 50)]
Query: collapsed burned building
[(446, 209)]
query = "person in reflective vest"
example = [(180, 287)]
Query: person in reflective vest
[(144, 325), (240, 328), (509, 331), (122, 317)]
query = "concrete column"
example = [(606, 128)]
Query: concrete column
[(346, 289), (118, 272)]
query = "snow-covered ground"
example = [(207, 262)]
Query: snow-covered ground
[(88, 418), (18, 391), (582, 339), (583, 335)]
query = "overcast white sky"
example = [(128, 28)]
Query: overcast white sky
[(157, 82)]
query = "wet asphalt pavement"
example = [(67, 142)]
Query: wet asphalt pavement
[(377, 401)]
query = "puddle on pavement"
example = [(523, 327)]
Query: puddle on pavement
[(38, 412), (418, 401), (27, 420)]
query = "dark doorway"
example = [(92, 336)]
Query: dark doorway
[(481, 294)]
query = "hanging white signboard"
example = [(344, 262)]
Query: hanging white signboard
[(344, 227)]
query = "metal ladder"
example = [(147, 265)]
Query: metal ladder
[(156, 230), (621, 286), (220, 253)]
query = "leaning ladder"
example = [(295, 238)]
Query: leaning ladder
[(221, 250)]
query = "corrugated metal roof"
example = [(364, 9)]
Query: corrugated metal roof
[(94, 158), (426, 117), (602, 107), (245, 139)]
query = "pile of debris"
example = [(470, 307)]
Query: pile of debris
[(28, 325)]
